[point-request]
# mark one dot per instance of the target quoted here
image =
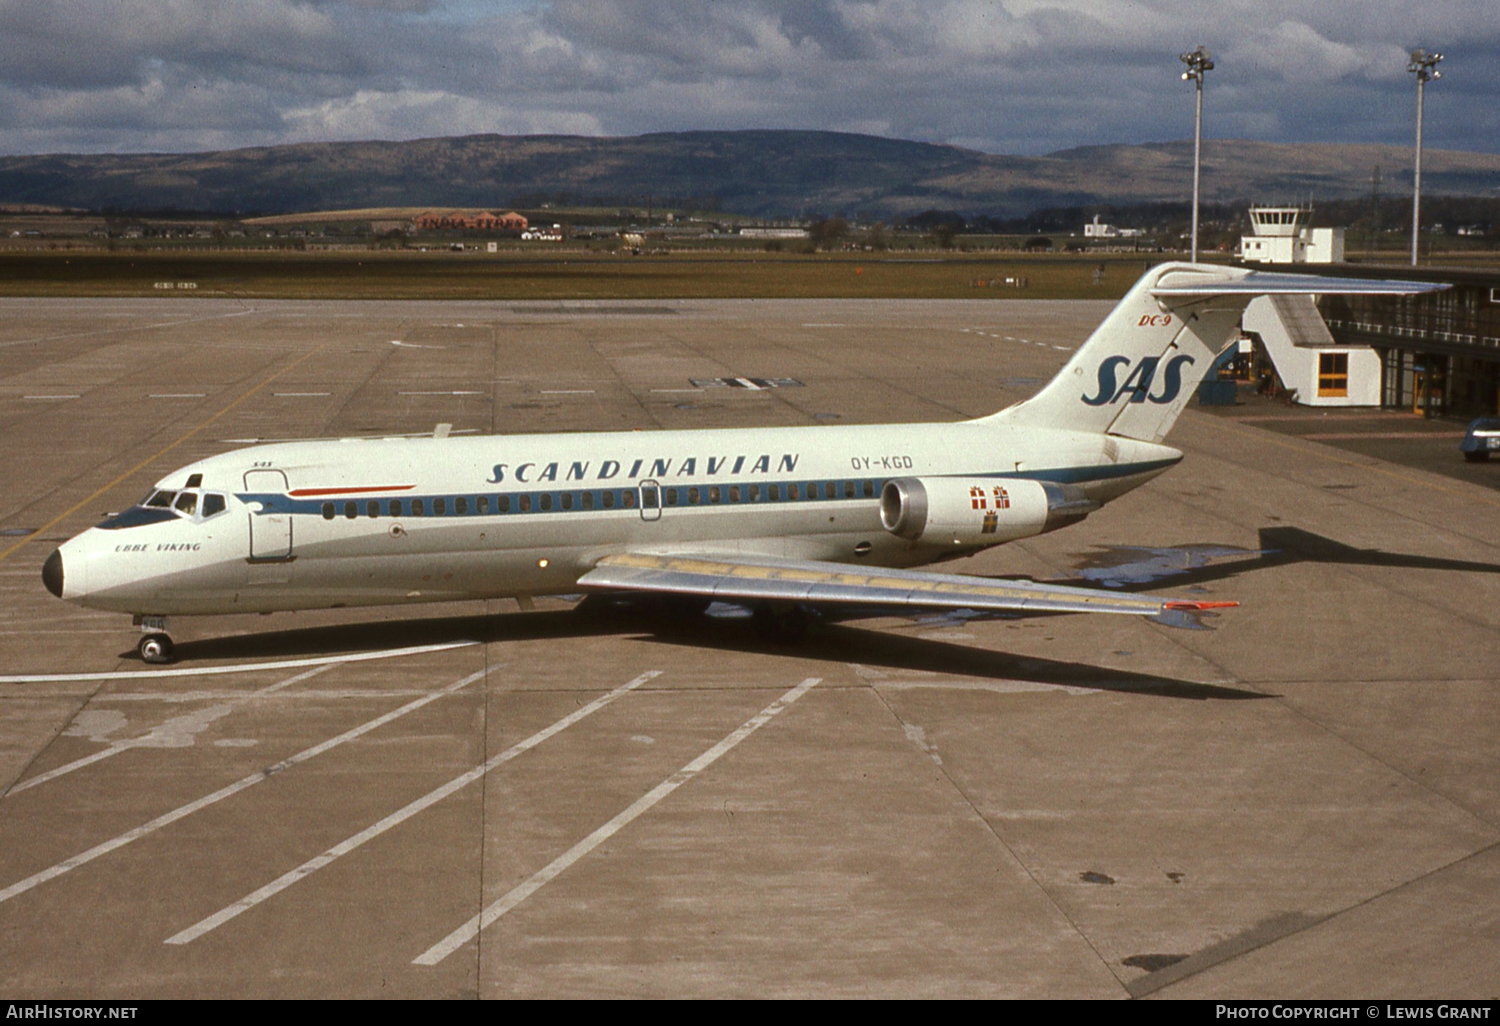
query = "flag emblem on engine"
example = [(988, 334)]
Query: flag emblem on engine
[(992, 503)]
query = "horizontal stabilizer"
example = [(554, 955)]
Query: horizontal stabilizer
[(1270, 283), (763, 578)]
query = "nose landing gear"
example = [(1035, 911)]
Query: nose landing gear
[(156, 645)]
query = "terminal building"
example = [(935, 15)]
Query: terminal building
[(1437, 354)]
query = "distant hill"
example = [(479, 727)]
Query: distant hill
[(758, 173)]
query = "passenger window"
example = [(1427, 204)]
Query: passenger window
[(609, 500), (828, 490), (791, 492), (372, 509), (461, 505), (734, 493), (351, 510), (504, 503), (395, 507), (627, 499), (416, 508), (713, 493), (327, 511), (439, 507), (773, 492), (588, 500), (525, 504), (482, 504), (545, 503), (567, 500)]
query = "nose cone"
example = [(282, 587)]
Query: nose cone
[(52, 573)]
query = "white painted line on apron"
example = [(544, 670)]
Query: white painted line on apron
[(458, 938), (183, 811), (407, 811), (150, 738), (204, 671)]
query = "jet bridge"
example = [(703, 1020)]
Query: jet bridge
[(1311, 364)]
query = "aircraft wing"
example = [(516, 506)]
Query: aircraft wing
[(758, 578)]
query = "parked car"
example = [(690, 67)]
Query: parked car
[(1481, 438)]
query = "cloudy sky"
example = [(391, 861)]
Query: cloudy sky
[(1003, 76)]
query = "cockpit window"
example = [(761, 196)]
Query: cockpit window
[(161, 506)]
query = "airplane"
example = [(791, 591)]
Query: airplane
[(777, 519)]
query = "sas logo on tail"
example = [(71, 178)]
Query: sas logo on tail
[(1138, 383)]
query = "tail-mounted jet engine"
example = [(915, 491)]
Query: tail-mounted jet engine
[(978, 511)]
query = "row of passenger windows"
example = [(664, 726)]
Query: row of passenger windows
[(608, 498)]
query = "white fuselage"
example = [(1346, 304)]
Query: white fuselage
[(302, 525)]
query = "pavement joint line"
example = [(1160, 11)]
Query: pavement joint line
[(209, 671), (402, 814), (1280, 928), (118, 331), (1371, 463), (244, 783), (132, 471), (145, 740), (471, 929), (986, 823)]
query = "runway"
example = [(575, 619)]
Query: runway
[(479, 800)]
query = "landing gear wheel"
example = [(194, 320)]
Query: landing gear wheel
[(157, 649)]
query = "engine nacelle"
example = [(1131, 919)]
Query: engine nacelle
[(978, 510)]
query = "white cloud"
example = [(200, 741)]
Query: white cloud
[(408, 114), (1013, 76)]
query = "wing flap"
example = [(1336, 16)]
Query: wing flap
[(763, 578)]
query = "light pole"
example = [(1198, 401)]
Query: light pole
[(1424, 66), (1198, 61)]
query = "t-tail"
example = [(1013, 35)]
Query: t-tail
[(1135, 373)]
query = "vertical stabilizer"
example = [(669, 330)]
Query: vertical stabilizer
[(1135, 373)]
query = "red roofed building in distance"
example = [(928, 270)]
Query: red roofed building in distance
[(470, 220)]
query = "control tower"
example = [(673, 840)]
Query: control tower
[(1282, 235)]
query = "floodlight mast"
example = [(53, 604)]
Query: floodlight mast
[(1424, 66), (1198, 61)]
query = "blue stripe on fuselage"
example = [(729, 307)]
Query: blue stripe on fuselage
[(573, 500)]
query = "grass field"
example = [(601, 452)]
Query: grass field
[(563, 275), (574, 274)]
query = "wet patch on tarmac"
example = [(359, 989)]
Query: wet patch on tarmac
[(1117, 566)]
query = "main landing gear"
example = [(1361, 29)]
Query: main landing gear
[(156, 645)]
